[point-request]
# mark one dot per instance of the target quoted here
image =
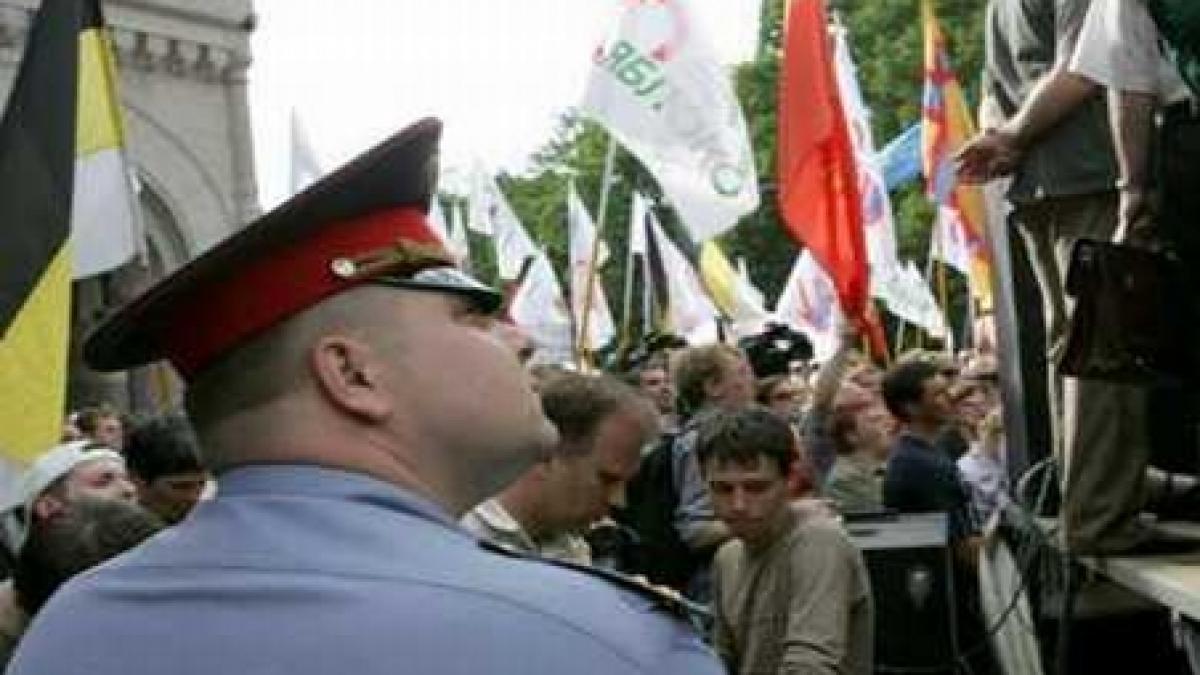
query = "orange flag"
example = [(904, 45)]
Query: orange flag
[(946, 125)]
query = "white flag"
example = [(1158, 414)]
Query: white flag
[(809, 304), (743, 270), (638, 209), (490, 209), (306, 169), (876, 204), (480, 201), (910, 298), (581, 233), (658, 88), (948, 242), (638, 255), (690, 313), (460, 243), (733, 293), (538, 307), (105, 221), (106, 227), (437, 222)]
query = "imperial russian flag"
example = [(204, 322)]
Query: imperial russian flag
[(66, 210)]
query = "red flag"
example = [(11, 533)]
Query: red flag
[(818, 178)]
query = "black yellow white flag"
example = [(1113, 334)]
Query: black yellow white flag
[(60, 154)]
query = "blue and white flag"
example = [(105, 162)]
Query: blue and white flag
[(900, 159)]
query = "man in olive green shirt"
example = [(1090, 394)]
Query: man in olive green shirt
[(790, 591)]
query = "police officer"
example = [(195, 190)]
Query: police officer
[(350, 389)]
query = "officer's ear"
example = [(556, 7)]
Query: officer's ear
[(350, 376)]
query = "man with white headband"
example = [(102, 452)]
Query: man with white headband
[(63, 475)]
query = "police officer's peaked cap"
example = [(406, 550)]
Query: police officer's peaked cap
[(364, 223)]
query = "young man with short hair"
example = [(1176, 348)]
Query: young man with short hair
[(710, 378), (920, 478), (653, 379), (164, 463), (790, 591)]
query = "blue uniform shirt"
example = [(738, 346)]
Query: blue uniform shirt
[(295, 570)]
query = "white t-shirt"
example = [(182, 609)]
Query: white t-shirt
[(1118, 48)]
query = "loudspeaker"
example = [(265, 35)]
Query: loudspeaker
[(912, 583)]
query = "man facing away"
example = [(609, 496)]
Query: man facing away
[(791, 593), (709, 379), (353, 395), (602, 426)]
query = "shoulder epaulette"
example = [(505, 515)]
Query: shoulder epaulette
[(682, 608)]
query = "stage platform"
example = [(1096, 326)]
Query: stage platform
[(1172, 581)]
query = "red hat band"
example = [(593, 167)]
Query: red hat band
[(326, 261)]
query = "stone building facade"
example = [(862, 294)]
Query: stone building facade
[(183, 87)]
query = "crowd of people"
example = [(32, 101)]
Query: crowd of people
[(773, 578), (373, 457), (99, 493), (375, 473)]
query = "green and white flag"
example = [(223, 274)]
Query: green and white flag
[(657, 87)]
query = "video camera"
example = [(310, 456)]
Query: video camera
[(772, 351)]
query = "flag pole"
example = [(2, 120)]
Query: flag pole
[(944, 292), (627, 298), (583, 357)]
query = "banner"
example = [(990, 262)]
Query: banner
[(909, 297), (491, 214), (460, 243), (658, 88), (949, 243), (900, 159)]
